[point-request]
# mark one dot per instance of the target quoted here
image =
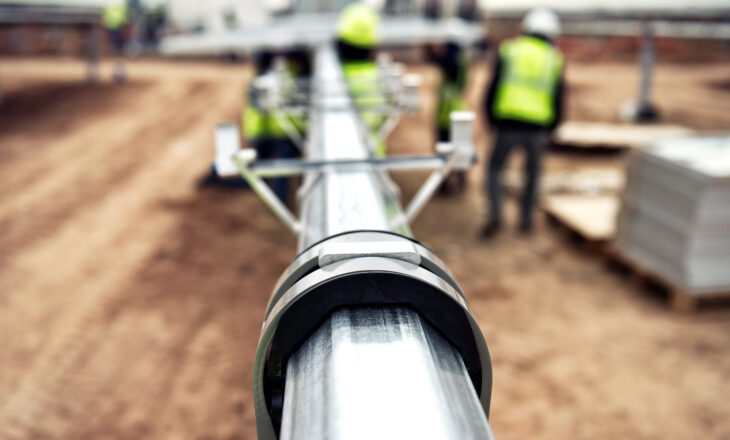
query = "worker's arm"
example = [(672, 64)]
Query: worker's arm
[(492, 90)]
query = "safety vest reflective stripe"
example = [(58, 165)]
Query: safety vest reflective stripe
[(531, 70)]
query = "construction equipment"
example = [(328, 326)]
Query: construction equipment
[(401, 354), (85, 16), (312, 30), (367, 334)]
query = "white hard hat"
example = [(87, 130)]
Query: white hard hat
[(542, 21)]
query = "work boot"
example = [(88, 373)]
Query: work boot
[(490, 229)]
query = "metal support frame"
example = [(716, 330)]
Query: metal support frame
[(85, 17), (458, 154), (274, 94), (267, 195), (281, 95)]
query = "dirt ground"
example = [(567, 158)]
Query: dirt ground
[(131, 300)]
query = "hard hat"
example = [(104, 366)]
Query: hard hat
[(542, 21), (358, 26)]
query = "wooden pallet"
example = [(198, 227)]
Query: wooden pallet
[(680, 299), (592, 218), (611, 136), (591, 221)]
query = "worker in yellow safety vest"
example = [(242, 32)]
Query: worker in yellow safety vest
[(269, 132), (357, 35), (264, 130), (115, 18), (453, 64), (524, 104)]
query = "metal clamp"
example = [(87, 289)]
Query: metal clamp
[(361, 268)]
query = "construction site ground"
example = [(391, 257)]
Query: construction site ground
[(131, 300)]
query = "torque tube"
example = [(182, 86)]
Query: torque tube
[(367, 334)]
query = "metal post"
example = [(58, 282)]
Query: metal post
[(376, 372), (647, 66), (92, 53), (645, 110)]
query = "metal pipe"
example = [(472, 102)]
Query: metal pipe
[(368, 372), (293, 167), (342, 201), (380, 373)]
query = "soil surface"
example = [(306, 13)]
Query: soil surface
[(131, 300)]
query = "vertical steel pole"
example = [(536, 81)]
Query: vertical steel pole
[(92, 52), (647, 66), (376, 372)]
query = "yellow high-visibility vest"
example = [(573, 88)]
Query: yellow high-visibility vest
[(530, 73), (259, 125)]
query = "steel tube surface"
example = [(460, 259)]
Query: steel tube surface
[(380, 374), (368, 373), (292, 167), (341, 201)]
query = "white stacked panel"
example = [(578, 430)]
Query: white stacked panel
[(675, 215)]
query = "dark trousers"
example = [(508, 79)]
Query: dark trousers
[(534, 143)]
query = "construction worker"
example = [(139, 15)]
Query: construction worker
[(524, 104), (153, 22), (115, 19), (357, 35), (454, 67), (263, 130), (266, 131)]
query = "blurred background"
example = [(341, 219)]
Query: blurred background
[(132, 291)]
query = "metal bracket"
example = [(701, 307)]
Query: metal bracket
[(461, 156), (458, 154), (403, 250), (231, 160)]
